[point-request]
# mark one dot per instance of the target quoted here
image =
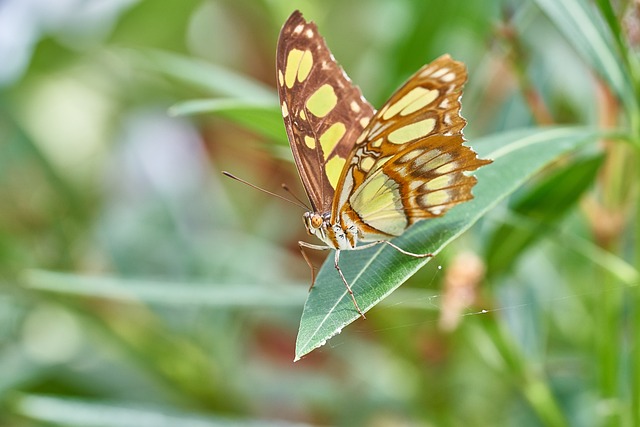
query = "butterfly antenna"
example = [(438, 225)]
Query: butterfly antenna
[(296, 198), (294, 202)]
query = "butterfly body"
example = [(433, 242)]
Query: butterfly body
[(370, 175)]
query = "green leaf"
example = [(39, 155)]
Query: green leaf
[(82, 412), (228, 295), (262, 117), (376, 272), (588, 34), (214, 78), (614, 264), (542, 206)]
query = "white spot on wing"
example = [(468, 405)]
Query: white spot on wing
[(427, 71), (407, 157), (449, 77), (439, 73)]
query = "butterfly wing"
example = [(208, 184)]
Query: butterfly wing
[(409, 162), (324, 113)]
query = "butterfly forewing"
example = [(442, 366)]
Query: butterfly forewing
[(409, 162), (324, 113)]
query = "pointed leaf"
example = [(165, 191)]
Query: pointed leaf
[(221, 295), (214, 78), (374, 273), (54, 410), (262, 117)]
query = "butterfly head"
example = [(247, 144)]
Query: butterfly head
[(316, 224), (337, 236)]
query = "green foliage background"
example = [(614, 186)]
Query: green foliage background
[(138, 287)]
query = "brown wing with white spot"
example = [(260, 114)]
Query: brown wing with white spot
[(409, 162), (324, 113)]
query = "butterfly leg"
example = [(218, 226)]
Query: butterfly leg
[(394, 246), (336, 258), (303, 245), (353, 297), (399, 249)]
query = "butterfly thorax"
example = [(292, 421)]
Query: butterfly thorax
[(338, 236)]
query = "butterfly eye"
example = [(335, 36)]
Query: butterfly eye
[(316, 221)]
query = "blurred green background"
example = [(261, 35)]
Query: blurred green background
[(139, 287)]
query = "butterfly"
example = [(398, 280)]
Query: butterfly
[(370, 174)]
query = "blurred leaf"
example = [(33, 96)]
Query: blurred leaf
[(15, 369), (264, 118), (214, 78), (147, 23), (27, 173), (502, 352), (544, 204), (166, 293), (195, 294), (20, 150), (584, 29), (606, 9), (615, 265), (374, 273), (76, 412)]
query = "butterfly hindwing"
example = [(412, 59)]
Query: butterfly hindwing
[(324, 113), (409, 163)]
